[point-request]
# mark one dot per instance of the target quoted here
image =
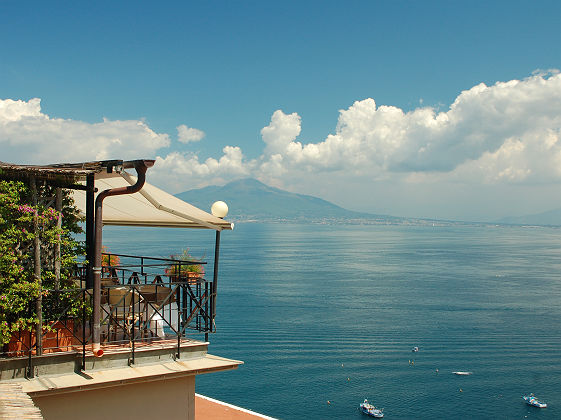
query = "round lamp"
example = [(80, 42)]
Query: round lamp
[(219, 209)]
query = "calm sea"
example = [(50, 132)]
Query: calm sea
[(330, 314)]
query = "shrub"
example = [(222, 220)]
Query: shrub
[(184, 269), (18, 285)]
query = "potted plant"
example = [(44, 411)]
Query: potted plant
[(109, 264), (186, 266)]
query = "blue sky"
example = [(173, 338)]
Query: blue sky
[(269, 79)]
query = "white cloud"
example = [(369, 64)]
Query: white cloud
[(507, 132), (29, 136), (180, 171), (281, 132), (187, 134)]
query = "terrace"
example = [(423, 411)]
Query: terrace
[(146, 303), (112, 312)]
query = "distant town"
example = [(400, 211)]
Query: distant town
[(251, 201)]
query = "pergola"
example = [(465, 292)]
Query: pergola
[(108, 195)]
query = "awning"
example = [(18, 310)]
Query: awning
[(148, 207)]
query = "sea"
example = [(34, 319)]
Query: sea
[(324, 316)]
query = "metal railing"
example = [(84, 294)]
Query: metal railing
[(144, 300)]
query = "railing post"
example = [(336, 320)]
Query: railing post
[(207, 315), (132, 336), (83, 329), (30, 373), (178, 320)]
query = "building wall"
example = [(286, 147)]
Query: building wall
[(154, 400)]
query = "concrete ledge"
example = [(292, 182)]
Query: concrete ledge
[(157, 352), (116, 356), (118, 376)]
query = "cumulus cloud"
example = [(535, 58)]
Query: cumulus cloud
[(281, 132), (507, 132), (178, 170), (29, 136), (187, 134)]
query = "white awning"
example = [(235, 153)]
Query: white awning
[(148, 207)]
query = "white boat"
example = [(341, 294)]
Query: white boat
[(462, 373), (415, 349), (532, 400), (369, 409)]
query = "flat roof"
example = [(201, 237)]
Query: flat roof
[(209, 408)]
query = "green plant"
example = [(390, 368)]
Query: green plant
[(18, 286), (108, 259), (191, 265)]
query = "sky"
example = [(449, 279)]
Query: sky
[(437, 109)]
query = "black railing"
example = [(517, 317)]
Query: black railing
[(143, 300)]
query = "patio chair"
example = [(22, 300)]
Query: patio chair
[(123, 314), (157, 298)]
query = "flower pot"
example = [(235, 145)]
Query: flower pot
[(56, 339)]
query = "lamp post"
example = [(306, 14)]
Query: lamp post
[(218, 209)]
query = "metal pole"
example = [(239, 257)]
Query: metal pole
[(37, 269), (178, 298), (141, 168), (90, 229), (131, 336), (215, 278), (58, 208), (83, 329), (207, 315)]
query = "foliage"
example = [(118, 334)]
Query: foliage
[(108, 259), (192, 264), (18, 286)]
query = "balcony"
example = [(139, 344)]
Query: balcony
[(132, 324), (146, 304)]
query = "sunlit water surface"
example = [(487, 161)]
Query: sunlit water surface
[(324, 313)]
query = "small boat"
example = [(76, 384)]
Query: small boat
[(415, 349), (532, 400), (369, 409), (462, 373)]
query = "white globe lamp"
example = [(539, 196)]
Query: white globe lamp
[(219, 209)]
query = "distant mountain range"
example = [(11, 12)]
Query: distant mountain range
[(249, 199), (548, 218)]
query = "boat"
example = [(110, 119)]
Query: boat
[(415, 349), (532, 400), (462, 373), (369, 409)]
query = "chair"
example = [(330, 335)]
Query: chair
[(156, 297), (123, 313)]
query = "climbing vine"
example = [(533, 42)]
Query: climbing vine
[(19, 287)]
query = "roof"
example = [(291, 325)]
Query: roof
[(149, 207), (210, 408), (64, 172)]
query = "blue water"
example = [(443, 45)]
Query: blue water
[(330, 313)]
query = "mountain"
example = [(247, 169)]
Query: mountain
[(249, 199), (548, 218)]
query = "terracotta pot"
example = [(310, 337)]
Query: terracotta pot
[(193, 277), (59, 338)]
